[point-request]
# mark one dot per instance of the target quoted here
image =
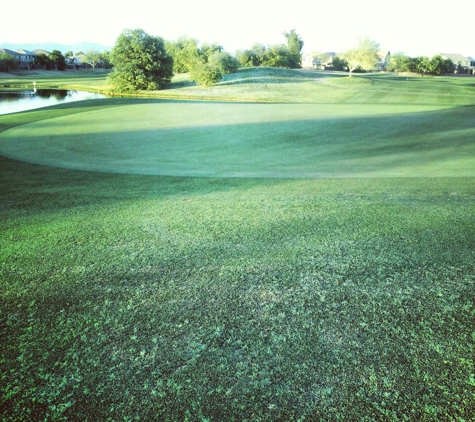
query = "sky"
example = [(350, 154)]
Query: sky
[(414, 27)]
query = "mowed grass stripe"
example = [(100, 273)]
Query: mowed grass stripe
[(253, 140)]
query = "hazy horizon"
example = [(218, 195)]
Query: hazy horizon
[(415, 28)]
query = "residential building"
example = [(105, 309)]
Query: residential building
[(383, 60), (317, 60), (463, 64), (324, 61), (24, 58)]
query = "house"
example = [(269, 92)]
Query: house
[(317, 60), (41, 51), (383, 60), (324, 61), (15, 54), (463, 64), (24, 58), (27, 58)]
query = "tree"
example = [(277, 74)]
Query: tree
[(364, 56), (246, 58), (294, 45), (207, 50), (7, 62), (277, 56), (185, 53), (224, 61), (106, 60), (58, 60), (43, 61), (92, 57), (399, 62), (140, 62), (439, 65), (421, 65)]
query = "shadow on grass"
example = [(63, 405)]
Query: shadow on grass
[(278, 282)]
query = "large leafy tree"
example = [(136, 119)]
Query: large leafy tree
[(439, 65), (277, 55), (399, 62), (247, 58), (140, 62), (294, 45), (421, 65), (255, 56), (364, 55), (185, 53)]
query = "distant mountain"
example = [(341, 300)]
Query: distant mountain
[(50, 46)]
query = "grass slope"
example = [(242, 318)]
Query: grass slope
[(144, 297), (249, 140)]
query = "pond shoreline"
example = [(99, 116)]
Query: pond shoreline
[(14, 101)]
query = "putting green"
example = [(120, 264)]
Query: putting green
[(253, 140)]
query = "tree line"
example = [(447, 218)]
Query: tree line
[(144, 62), (436, 65), (364, 57)]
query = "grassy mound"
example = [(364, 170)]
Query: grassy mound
[(145, 297), (250, 140)]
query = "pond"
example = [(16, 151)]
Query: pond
[(15, 101)]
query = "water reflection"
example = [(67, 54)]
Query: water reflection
[(59, 94), (15, 101)]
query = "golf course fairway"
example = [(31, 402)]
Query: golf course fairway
[(302, 248)]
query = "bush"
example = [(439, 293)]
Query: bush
[(206, 74), (224, 62)]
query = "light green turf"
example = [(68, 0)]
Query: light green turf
[(320, 124), (252, 140)]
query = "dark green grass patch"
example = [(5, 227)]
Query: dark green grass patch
[(129, 297)]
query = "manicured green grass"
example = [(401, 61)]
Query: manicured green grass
[(276, 85), (89, 80), (154, 297), (250, 140)]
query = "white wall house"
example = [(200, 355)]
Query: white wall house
[(464, 64), (317, 60), (24, 58), (383, 59)]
